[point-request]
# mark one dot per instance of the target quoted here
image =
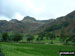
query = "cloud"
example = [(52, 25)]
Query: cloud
[(40, 9), (18, 16), (4, 18)]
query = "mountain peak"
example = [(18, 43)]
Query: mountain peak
[(13, 20), (29, 19)]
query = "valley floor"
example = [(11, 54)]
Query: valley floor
[(23, 49)]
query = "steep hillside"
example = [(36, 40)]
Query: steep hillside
[(67, 22)]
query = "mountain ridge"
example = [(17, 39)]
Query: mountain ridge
[(31, 25)]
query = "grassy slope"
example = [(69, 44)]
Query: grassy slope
[(16, 49)]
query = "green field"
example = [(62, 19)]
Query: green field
[(23, 49)]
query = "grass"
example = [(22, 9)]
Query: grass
[(23, 49)]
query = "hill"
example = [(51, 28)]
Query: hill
[(67, 22)]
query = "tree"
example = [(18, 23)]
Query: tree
[(71, 37), (37, 38), (41, 35), (30, 37), (63, 36), (52, 36), (74, 41), (5, 36), (47, 35), (11, 35), (73, 34), (17, 37)]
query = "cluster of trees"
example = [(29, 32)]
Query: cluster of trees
[(14, 37), (65, 39), (47, 35)]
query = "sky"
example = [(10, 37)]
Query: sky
[(39, 9)]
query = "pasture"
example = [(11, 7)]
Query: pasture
[(24, 49)]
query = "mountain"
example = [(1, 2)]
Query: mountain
[(30, 25)]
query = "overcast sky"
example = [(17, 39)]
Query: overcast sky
[(39, 9)]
